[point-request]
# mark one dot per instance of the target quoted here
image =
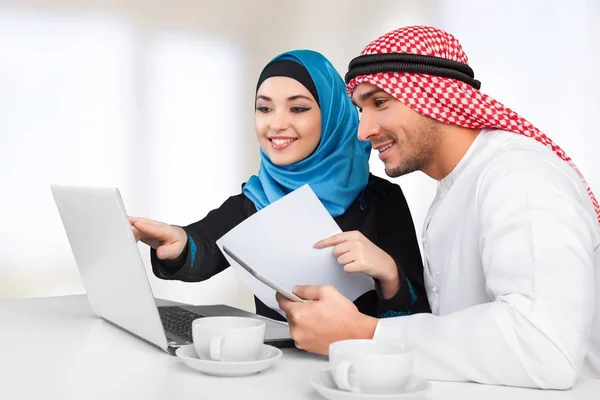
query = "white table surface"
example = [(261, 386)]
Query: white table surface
[(55, 348)]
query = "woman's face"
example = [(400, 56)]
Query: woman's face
[(287, 120)]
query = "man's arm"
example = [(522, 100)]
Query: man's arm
[(537, 243)]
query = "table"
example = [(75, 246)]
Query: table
[(56, 348)]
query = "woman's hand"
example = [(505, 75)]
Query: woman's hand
[(358, 254), (168, 240)]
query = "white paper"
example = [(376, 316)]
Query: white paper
[(277, 242)]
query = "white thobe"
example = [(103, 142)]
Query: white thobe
[(511, 250)]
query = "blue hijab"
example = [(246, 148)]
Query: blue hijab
[(338, 170)]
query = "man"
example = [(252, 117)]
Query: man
[(510, 241)]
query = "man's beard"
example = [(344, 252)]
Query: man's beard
[(427, 138)]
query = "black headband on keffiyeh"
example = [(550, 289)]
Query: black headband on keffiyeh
[(411, 63)]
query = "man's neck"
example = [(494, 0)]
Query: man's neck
[(454, 146)]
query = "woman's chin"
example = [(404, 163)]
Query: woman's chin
[(282, 161)]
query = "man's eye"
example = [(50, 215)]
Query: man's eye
[(379, 102)]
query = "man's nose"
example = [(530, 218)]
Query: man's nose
[(367, 127)]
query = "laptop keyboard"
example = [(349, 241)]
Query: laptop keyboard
[(178, 321)]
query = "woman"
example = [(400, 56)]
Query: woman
[(306, 126)]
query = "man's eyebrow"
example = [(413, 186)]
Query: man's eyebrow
[(369, 94)]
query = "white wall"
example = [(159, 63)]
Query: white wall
[(156, 98)]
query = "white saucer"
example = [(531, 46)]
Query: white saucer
[(268, 355), (323, 382)]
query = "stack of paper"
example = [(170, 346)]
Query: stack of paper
[(277, 242)]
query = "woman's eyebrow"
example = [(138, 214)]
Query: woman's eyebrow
[(299, 96), (291, 98)]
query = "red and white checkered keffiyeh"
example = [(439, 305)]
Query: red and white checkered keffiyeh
[(444, 99)]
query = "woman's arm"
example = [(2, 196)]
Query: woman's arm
[(397, 237), (202, 259)]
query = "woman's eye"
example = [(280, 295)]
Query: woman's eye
[(263, 109), (299, 109)]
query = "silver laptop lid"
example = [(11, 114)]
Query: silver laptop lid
[(108, 259)]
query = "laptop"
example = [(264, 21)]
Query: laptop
[(113, 273)]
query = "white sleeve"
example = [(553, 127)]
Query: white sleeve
[(537, 243)]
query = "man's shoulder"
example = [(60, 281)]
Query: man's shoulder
[(520, 167), (515, 157), (525, 182)]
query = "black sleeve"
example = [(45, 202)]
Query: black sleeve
[(397, 237), (203, 258)]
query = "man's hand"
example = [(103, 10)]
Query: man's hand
[(358, 254), (327, 318)]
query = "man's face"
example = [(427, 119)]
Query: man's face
[(406, 140)]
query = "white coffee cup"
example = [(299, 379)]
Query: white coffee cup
[(228, 338), (368, 366)]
